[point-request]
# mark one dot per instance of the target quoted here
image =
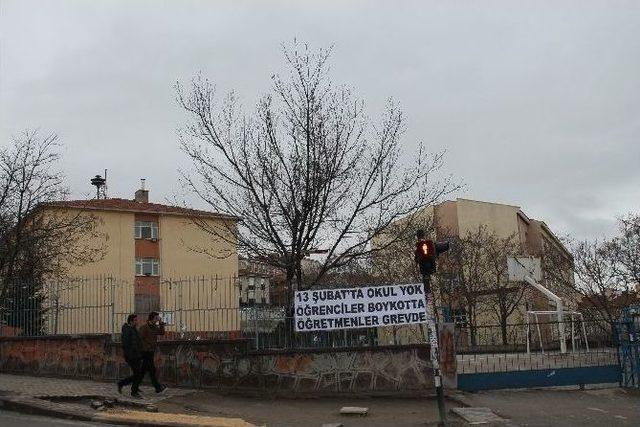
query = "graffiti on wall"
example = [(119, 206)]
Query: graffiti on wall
[(230, 365)]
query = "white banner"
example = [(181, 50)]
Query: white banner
[(369, 307)]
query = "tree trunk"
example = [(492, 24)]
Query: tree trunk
[(504, 315), (289, 337), (503, 330), (472, 327)]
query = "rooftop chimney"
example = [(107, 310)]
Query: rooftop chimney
[(142, 195)]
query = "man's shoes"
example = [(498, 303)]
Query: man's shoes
[(119, 388), (136, 395), (162, 389)]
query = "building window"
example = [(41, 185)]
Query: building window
[(146, 230), (147, 267)]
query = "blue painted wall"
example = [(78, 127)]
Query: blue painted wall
[(539, 378)]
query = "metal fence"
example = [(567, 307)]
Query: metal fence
[(535, 346), (578, 335), (72, 306), (194, 308), (204, 307), (200, 308)]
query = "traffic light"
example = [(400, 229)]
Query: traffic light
[(426, 254)]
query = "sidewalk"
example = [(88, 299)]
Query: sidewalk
[(184, 407), (46, 388), (71, 399)]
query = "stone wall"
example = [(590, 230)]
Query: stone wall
[(231, 366)]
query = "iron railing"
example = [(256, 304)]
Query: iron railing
[(534, 346), (194, 308), (73, 306), (201, 308), (544, 336)]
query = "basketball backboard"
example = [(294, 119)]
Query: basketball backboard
[(520, 267)]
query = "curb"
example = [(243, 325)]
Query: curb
[(459, 398), (34, 406)]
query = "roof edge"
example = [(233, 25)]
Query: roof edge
[(193, 212)]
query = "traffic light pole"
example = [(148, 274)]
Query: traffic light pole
[(435, 351), (426, 255)]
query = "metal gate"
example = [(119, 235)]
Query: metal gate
[(628, 330)]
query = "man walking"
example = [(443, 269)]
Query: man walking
[(132, 350), (149, 335)]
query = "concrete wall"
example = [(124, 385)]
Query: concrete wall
[(498, 218), (228, 365), (187, 250), (115, 231), (447, 219)]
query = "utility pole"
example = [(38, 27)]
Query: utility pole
[(426, 255)]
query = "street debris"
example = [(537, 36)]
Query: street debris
[(354, 410), (478, 415)]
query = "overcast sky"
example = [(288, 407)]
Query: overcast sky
[(537, 104)]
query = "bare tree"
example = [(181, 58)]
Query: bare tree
[(473, 276), (36, 243), (625, 250), (504, 297), (395, 262), (607, 271), (462, 277), (598, 282), (306, 170)]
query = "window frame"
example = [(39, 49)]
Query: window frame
[(140, 267), (139, 225)]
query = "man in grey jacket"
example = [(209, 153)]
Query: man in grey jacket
[(132, 350)]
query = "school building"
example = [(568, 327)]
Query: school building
[(157, 257)]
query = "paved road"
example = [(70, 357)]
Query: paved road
[(10, 419), (383, 412), (610, 407)]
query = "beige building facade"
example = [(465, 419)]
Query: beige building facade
[(462, 217), (180, 262)]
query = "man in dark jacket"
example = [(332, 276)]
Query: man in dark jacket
[(132, 350), (149, 335)]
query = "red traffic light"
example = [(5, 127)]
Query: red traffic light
[(425, 249), (426, 254)]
